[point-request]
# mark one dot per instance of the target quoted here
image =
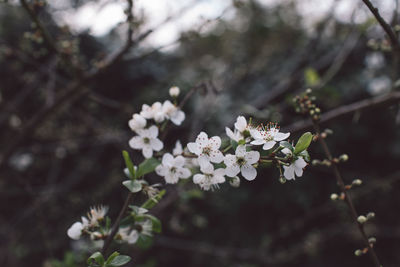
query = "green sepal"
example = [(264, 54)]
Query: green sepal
[(305, 155), (132, 185), (241, 142), (138, 210), (147, 166), (234, 144), (96, 257), (303, 143), (153, 201), (129, 164)]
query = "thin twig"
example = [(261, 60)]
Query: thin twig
[(348, 199)]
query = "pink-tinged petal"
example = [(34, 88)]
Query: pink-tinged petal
[(168, 160), (216, 156), (215, 142), (147, 152), (179, 161), (184, 173), (136, 142), (156, 144), (257, 142), (206, 167), (269, 145), (202, 140), (241, 124), (232, 170), (281, 136), (300, 163), (178, 117), (153, 132), (240, 151), (161, 170), (248, 172), (230, 160), (252, 157), (194, 148), (198, 178), (288, 172)]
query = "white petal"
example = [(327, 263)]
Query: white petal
[(168, 160), (216, 156), (269, 145), (257, 142), (75, 231), (153, 132), (252, 157), (136, 142), (178, 150), (198, 178), (281, 136), (286, 151), (206, 167), (289, 172), (194, 148), (241, 124), (248, 172), (256, 134), (159, 116), (230, 134), (300, 163), (179, 161), (133, 237), (171, 178), (184, 173), (215, 142), (219, 176), (230, 160), (298, 171), (147, 152), (202, 139), (240, 151), (232, 170), (156, 144), (161, 170), (178, 117), (203, 160)]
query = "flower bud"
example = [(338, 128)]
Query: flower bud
[(235, 181), (372, 240), (317, 110), (344, 157), (334, 197), (315, 162), (362, 219), (282, 180), (328, 131), (357, 182), (358, 252), (323, 135), (308, 91), (370, 215), (174, 91)]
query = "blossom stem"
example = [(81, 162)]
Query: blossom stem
[(115, 227), (227, 148), (347, 199)]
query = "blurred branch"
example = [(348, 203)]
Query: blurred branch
[(366, 104), (386, 27)]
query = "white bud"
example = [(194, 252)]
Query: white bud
[(357, 182), (362, 219), (235, 181), (174, 91), (334, 196), (372, 240), (137, 122), (75, 231), (358, 252), (370, 215)]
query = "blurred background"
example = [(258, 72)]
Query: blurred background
[(62, 134)]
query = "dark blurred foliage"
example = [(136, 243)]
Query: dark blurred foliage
[(252, 64)]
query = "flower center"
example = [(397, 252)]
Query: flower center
[(146, 140), (207, 150), (240, 161), (172, 170)]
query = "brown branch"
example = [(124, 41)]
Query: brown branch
[(386, 27), (366, 104)]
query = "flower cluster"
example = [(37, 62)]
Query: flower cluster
[(91, 225)]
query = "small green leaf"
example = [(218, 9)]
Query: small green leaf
[(153, 201), (133, 185), (144, 241), (137, 210), (303, 143), (111, 257), (119, 260), (129, 164), (147, 166), (234, 144), (96, 257), (156, 223), (241, 142), (287, 145)]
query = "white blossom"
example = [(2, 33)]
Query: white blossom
[(242, 162), (267, 136), (137, 122), (207, 148), (174, 91), (173, 113), (128, 235), (96, 215), (147, 141), (178, 150), (155, 112), (241, 130), (172, 168), (209, 178), (296, 167), (75, 231)]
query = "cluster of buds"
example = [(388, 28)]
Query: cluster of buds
[(371, 242), (305, 104), (379, 45), (363, 219)]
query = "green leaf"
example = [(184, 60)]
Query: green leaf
[(129, 164), (147, 166), (153, 201), (311, 77), (156, 223), (133, 185), (287, 145), (111, 257), (144, 241), (137, 210), (119, 261), (234, 144), (96, 257), (303, 143)]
